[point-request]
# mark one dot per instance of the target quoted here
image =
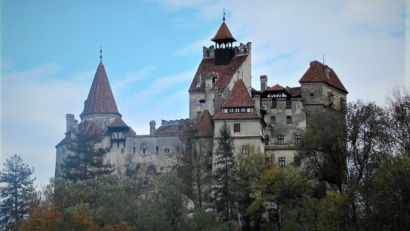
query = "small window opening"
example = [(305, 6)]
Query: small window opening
[(237, 127), (288, 119), (273, 119), (274, 103), (266, 140), (281, 139), (288, 104), (202, 101), (282, 162), (122, 150)]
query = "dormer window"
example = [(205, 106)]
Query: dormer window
[(237, 110)]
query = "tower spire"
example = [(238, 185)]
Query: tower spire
[(100, 53), (224, 15)]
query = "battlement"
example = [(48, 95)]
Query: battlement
[(173, 122), (242, 49)]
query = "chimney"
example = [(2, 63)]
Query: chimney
[(152, 128), (199, 79), (70, 121), (264, 82), (327, 71)]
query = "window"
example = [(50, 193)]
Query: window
[(202, 101), (144, 150), (281, 139), (156, 149), (273, 119), (288, 119), (166, 150), (282, 161), (266, 140), (122, 150), (312, 96), (177, 149), (274, 103), (269, 161), (243, 109), (245, 149), (330, 96), (237, 127), (134, 149), (288, 104), (297, 139)]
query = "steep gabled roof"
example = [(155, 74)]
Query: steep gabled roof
[(223, 34), (100, 99), (118, 123), (225, 72), (205, 128), (131, 132), (317, 73), (239, 96), (169, 129)]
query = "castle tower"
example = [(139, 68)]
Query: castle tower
[(223, 39), (222, 65), (100, 105), (322, 92)]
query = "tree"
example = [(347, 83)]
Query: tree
[(194, 162), (245, 176), (17, 193), (86, 161), (223, 164), (285, 201)]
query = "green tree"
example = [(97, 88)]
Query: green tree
[(194, 160), (86, 161), (245, 176), (223, 164), (17, 193), (285, 201)]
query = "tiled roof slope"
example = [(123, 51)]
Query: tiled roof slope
[(205, 128), (225, 72), (169, 129), (131, 133), (277, 87), (239, 116), (295, 91), (118, 123), (317, 73), (239, 96), (100, 99), (223, 34), (90, 127)]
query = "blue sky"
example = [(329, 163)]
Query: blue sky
[(151, 49)]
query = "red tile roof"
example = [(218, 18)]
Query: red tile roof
[(223, 34), (277, 87), (205, 128), (90, 127), (169, 129), (239, 96), (237, 116), (100, 99), (317, 73), (225, 72), (295, 91), (118, 123)]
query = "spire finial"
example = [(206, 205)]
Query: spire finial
[(224, 15), (100, 54)]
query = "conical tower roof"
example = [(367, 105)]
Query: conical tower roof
[(223, 34), (100, 99)]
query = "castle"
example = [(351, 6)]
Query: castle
[(272, 120)]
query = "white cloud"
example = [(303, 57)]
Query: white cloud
[(133, 77)]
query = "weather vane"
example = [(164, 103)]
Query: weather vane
[(100, 54), (224, 15)]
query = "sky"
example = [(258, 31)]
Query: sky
[(152, 48)]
